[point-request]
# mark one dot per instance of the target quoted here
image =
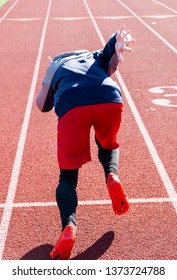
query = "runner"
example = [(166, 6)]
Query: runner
[(79, 86)]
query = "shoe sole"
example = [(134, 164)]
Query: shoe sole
[(120, 203)]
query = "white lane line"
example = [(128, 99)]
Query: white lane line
[(88, 202), (94, 23), (86, 18), (165, 6), (69, 18), (148, 27), (6, 216), (8, 11), (113, 17), (159, 16), (51, 18), (153, 152), (24, 19)]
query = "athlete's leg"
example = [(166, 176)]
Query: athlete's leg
[(107, 120), (66, 197), (109, 159), (107, 123), (73, 150)]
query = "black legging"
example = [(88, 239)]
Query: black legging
[(66, 194), (109, 159)]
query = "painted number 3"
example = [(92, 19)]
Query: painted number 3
[(167, 94)]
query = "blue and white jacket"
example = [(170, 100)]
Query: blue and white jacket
[(79, 78)]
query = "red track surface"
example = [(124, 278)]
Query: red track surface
[(149, 230)]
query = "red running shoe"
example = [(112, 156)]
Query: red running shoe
[(64, 245), (117, 194)]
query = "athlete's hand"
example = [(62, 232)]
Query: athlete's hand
[(123, 39)]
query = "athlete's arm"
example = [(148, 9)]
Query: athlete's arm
[(123, 39), (44, 97), (113, 50)]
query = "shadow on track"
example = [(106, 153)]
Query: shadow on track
[(94, 252), (39, 253)]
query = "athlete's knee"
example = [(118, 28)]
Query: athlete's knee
[(70, 176)]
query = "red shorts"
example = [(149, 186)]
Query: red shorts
[(73, 141)]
